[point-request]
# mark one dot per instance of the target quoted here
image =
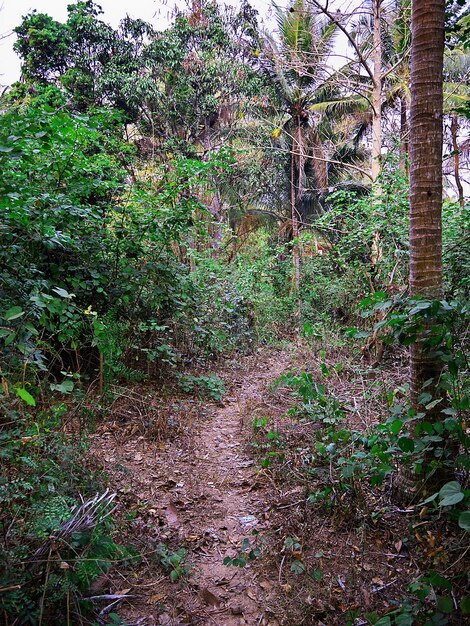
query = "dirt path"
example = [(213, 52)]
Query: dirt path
[(203, 495)]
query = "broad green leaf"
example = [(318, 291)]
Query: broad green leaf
[(450, 494), (464, 521), (421, 306), (395, 426), (316, 574), (404, 619), (465, 605), (430, 499), (437, 580), (13, 313), (9, 338), (406, 444), (65, 387), (297, 567), (445, 604), (26, 396)]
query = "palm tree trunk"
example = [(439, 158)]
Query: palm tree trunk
[(426, 136), (296, 183), (426, 171), (454, 129)]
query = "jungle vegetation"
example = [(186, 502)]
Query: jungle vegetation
[(171, 198)]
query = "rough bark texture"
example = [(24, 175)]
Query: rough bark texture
[(426, 169)]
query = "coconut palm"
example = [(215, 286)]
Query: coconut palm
[(426, 173), (297, 64)]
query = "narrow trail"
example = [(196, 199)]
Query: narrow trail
[(203, 494), (237, 505)]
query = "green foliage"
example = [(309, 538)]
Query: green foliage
[(250, 550), (42, 476), (409, 436), (341, 458), (432, 600), (268, 442), (330, 292), (316, 403), (93, 62), (263, 275), (211, 386), (173, 561), (370, 232), (127, 259), (90, 248), (456, 250)]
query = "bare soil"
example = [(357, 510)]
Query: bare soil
[(200, 489), (189, 474)]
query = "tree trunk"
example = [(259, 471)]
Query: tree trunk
[(426, 172), (454, 129), (426, 135), (377, 91), (404, 137), (297, 167)]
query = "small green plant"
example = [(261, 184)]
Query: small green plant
[(259, 423), (431, 601), (173, 561), (249, 550), (210, 385), (316, 403), (42, 475), (271, 445), (294, 549)]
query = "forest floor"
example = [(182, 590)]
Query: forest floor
[(198, 488), (192, 474)]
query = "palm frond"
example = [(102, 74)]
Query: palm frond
[(341, 106)]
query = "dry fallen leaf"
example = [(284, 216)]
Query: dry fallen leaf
[(158, 597), (266, 585), (208, 597), (250, 593), (123, 592), (366, 597), (171, 514)]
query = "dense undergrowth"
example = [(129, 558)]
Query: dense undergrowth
[(364, 544), (103, 284), (142, 243)]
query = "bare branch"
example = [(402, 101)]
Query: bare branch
[(339, 24)]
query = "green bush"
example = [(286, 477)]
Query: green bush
[(45, 569)]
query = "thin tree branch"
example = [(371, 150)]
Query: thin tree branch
[(338, 23)]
